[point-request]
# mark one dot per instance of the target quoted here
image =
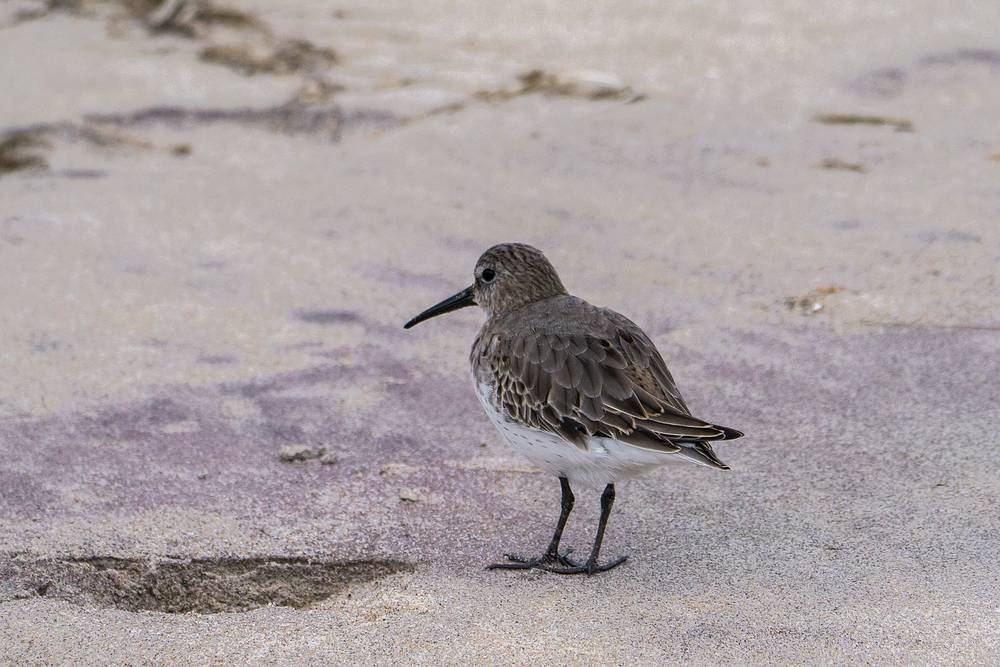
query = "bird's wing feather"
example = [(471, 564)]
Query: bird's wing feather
[(650, 369), (614, 385)]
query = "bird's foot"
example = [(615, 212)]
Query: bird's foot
[(588, 568), (546, 561)]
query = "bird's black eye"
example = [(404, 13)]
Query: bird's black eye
[(489, 275)]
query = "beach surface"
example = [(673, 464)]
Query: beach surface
[(219, 446)]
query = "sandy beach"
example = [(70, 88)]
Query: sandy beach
[(216, 440)]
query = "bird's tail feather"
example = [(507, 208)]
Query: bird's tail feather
[(702, 454)]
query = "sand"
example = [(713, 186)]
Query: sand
[(212, 228)]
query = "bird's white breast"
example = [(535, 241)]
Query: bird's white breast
[(604, 461)]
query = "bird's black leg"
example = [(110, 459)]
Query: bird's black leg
[(566, 506), (591, 566), (551, 555)]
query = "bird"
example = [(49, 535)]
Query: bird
[(579, 390)]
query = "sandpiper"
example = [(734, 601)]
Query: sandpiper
[(579, 390)]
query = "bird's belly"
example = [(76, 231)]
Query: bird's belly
[(604, 461)]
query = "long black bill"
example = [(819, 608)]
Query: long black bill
[(461, 300)]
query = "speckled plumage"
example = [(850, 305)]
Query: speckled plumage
[(553, 362), (580, 391)]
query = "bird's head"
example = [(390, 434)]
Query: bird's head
[(506, 277)]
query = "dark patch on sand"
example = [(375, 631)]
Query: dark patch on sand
[(23, 147), (289, 118), (200, 585), (287, 56), (538, 81), (900, 124), (891, 81), (548, 83), (71, 7), (327, 316), (190, 18), (300, 453), (259, 51), (21, 150), (812, 302), (989, 57), (449, 108), (186, 18), (836, 164)]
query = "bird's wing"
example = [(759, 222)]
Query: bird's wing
[(645, 362), (613, 385)]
